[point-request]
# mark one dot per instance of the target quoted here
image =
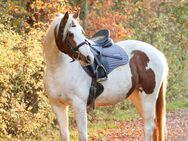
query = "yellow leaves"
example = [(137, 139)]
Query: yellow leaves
[(21, 63), (15, 9), (44, 10)]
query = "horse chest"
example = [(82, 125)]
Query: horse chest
[(66, 87)]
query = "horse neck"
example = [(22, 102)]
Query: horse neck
[(59, 63), (58, 60), (59, 68), (52, 57)]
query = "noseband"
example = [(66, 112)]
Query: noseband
[(75, 49), (76, 54)]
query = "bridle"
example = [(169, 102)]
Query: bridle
[(76, 55), (66, 46), (74, 49)]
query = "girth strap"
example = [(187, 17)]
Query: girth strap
[(95, 90)]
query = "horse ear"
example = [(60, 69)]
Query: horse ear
[(59, 34), (76, 15), (64, 21)]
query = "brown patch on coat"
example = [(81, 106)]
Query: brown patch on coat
[(69, 39), (67, 49), (143, 78), (59, 34), (62, 45), (76, 15)]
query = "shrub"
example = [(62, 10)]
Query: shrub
[(24, 111)]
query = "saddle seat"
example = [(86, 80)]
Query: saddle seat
[(102, 38)]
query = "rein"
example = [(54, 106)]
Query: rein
[(76, 53), (78, 46)]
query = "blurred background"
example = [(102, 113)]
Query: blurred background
[(25, 113)]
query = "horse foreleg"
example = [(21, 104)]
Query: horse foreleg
[(60, 110), (148, 111), (80, 111)]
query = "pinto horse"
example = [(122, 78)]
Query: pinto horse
[(143, 79)]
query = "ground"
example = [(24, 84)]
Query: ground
[(177, 126)]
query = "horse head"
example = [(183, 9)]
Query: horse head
[(70, 40)]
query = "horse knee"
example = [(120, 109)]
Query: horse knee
[(149, 128)]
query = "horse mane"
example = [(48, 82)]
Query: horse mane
[(54, 26), (67, 26), (48, 41), (49, 38)]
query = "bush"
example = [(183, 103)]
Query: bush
[(23, 105), (164, 25), (24, 110)]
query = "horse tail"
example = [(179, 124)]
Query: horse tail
[(160, 117)]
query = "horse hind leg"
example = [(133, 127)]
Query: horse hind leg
[(154, 114), (160, 115), (148, 113), (145, 105)]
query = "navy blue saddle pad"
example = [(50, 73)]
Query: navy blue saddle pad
[(106, 53), (110, 57)]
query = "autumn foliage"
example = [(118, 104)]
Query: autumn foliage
[(101, 17), (24, 110)]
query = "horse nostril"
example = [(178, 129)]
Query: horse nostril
[(88, 59)]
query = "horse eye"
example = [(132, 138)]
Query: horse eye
[(73, 25), (71, 34)]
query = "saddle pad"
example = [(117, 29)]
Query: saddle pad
[(112, 57)]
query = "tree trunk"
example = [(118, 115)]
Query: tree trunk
[(84, 12)]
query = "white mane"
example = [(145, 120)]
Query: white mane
[(48, 41)]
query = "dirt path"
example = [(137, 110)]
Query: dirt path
[(177, 126)]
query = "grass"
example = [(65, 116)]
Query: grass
[(106, 118), (102, 119), (177, 105)]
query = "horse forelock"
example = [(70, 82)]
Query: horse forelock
[(60, 32), (69, 24)]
